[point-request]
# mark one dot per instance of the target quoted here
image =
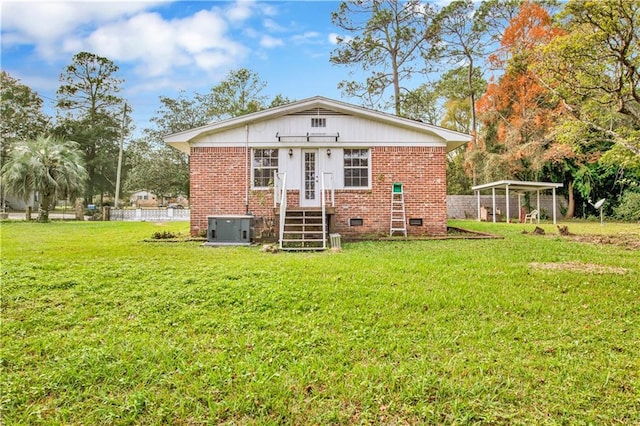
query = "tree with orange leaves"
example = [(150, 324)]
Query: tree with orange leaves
[(516, 110)]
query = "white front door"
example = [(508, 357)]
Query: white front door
[(310, 193)]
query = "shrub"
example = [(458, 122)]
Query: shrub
[(629, 208), (164, 235)]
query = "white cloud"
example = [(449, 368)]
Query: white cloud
[(270, 42), (152, 43), (241, 10), (272, 26), (250, 32), (213, 60), (306, 38), (268, 9), (137, 35), (44, 22), (334, 38)]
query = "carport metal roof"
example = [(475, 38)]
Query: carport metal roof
[(519, 187)]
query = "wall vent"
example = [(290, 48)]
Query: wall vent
[(318, 122)]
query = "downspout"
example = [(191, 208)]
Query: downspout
[(246, 170)]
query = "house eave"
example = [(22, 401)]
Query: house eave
[(182, 140), (183, 146)]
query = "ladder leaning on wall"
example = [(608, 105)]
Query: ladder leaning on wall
[(398, 216)]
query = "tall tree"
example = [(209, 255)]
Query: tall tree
[(516, 110), (464, 41), (178, 114), (494, 16), (385, 38), (595, 68), (91, 109), (50, 166), (453, 88), (238, 94), (421, 104), (155, 166), (21, 116), (162, 170)]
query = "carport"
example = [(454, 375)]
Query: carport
[(520, 188)]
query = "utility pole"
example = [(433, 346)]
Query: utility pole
[(124, 119)]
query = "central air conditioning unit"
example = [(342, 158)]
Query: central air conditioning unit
[(229, 230)]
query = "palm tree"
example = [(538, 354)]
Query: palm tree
[(51, 166)]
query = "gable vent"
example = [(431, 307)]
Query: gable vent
[(318, 111)]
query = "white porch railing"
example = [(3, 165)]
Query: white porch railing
[(280, 195), (323, 202), (329, 175), (277, 187)]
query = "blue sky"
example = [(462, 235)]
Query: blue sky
[(163, 47)]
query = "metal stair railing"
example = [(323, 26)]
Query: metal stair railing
[(281, 178), (323, 203)]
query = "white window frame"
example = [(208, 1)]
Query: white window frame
[(344, 168), (270, 167)]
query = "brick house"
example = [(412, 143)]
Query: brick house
[(320, 154)]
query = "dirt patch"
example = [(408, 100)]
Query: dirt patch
[(589, 268), (627, 241), (630, 242), (453, 232)]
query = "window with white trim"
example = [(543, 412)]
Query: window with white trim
[(356, 168), (265, 162)]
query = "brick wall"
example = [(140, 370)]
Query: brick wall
[(422, 172), (218, 186)]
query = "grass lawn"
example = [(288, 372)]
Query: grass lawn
[(101, 327)]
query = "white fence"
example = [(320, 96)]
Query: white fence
[(149, 215)]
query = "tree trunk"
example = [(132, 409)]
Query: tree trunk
[(396, 84), (43, 210), (571, 207), (472, 100)]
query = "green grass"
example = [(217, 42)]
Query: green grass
[(100, 327)]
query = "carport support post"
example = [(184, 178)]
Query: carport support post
[(538, 204), (507, 197), (519, 207), (478, 193), (493, 203), (554, 205)]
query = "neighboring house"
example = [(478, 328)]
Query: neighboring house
[(241, 165), (15, 203), (143, 199), (149, 199)]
